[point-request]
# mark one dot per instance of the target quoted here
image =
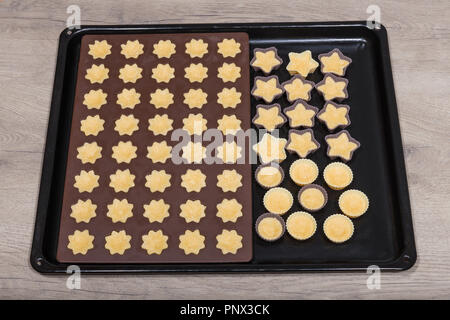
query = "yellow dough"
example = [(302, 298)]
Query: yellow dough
[(163, 73), (126, 125), (300, 116), (97, 74), (80, 242), (269, 117), (229, 124), (334, 64), (156, 211), (120, 210), (337, 175), (196, 72), (193, 152), (128, 98), (117, 242), (229, 210), (161, 98), (132, 49), (228, 48), (86, 181), (270, 228), (89, 152), (229, 72), (159, 152), (312, 199), (270, 149), (195, 124), (95, 99), (192, 211), (196, 48), (229, 180), (164, 49), (229, 152), (124, 152), (195, 98), (160, 124), (301, 63), (278, 200), (267, 90), (130, 73), (334, 116), (266, 60), (301, 225), (99, 49), (332, 89), (154, 242), (122, 180), (353, 203), (298, 89), (338, 228), (193, 180), (229, 98), (158, 181), (269, 176), (92, 125), (191, 242), (303, 171), (229, 241), (301, 143), (341, 146), (83, 211)]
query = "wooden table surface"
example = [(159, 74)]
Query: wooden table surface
[(419, 37)]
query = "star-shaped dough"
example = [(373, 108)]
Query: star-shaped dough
[(154, 242), (94, 99), (124, 152), (229, 72), (80, 242), (192, 242), (229, 180), (156, 211), (334, 115), (229, 97), (229, 210), (163, 73), (160, 124), (229, 124), (132, 49), (159, 152), (126, 125), (341, 145), (269, 117), (332, 87), (302, 142), (99, 49), (130, 73), (270, 148), (196, 72), (164, 49), (229, 152), (83, 211), (158, 180), (193, 152), (334, 62), (122, 180), (301, 114), (192, 211), (86, 181), (195, 98), (128, 98), (117, 242), (193, 180), (229, 241), (196, 48), (195, 124), (89, 152), (298, 88), (92, 125), (266, 60), (267, 88), (120, 210), (228, 48), (301, 63), (97, 74)]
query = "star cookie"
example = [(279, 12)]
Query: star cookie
[(117, 242), (163, 73), (270, 148), (158, 181), (229, 210), (154, 242), (191, 242), (130, 73), (298, 88), (229, 152), (193, 152), (269, 117), (126, 125), (192, 211), (122, 180), (334, 62), (160, 124), (120, 210), (196, 72), (229, 180), (124, 152), (229, 124), (195, 124), (228, 48), (164, 49), (334, 115), (97, 74), (302, 142), (80, 242), (229, 98), (83, 211), (156, 211), (94, 99), (195, 98), (301, 114), (229, 72), (196, 48), (229, 241), (267, 88), (301, 63), (159, 152), (341, 145), (266, 60), (89, 152), (92, 125), (99, 49), (132, 49), (128, 98), (332, 87), (86, 181), (193, 180)]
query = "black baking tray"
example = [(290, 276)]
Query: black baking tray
[(384, 236)]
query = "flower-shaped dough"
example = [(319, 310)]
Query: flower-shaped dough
[(229, 72), (89, 152), (267, 88), (298, 88), (193, 152), (160, 124), (122, 180), (341, 145), (132, 49), (128, 98), (163, 73), (92, 125), (94, 99), (130, 73), (193, 180), (120, 210), (124, 152), (117, 242), (86, 181), (192, 211), (229, 98), (229, 180), (229, 152), (270, 148), (126, 125), (161, 98), (228, 48), (229, 241), (196, 48), (158, 180), (192, 242), (301, 114), (301, 63), (302, 142), (164, 49), (195, 98), (154, 242), (196, 72), (80, 242), (269, 117), (229, 210), (229, 124), (266, 60), (97, 74), (194, 124), (99, 49), (83, 211), (156, 211), (159, 152), (332, 87)]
